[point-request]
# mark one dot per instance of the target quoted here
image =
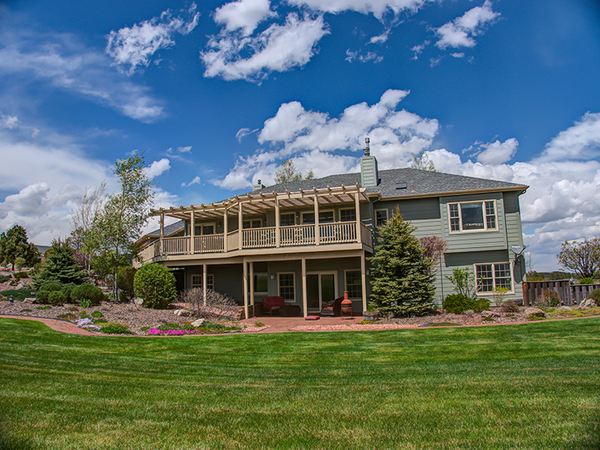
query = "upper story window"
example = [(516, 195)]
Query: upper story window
[(253, 223), (381, 217), (287, 219), (324, 217), (472, 216), (348, 215)]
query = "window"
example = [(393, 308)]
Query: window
[(286, 286), (253, 223), (204, 229), (347, 215), (472, 216), (354, 283), (381, 217), (324, 217), (197, 281), (493, 275), (261, 283), (287, 219)]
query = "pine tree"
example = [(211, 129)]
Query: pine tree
[(401, 276), (60, 265), (14, 246)]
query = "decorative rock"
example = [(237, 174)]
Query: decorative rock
[(490, 314), (28, 300), (199, 323), (183, 313), (587, 303), (138, 301), (469, 313), (534, 312), (565, 308)]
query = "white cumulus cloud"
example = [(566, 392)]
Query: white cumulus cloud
[(461, 31), (157, 168), (244, 14), (498, 152), (278, 48), (133, 47)]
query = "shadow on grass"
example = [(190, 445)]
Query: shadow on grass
[(10, 442), (590, 440)]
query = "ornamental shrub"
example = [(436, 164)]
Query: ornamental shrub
[(548, 299), (594, 295), (67, 291), (45, 289), (587, 280), (114, 328), (509, 306), (156, 285), (88, 291), (56, 298), (457, 303)]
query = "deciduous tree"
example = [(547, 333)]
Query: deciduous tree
[(582, 258)]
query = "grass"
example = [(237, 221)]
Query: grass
[(533, 386)]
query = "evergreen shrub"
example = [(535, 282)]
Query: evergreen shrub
[(67, 291), (156, 285), (56, 298), (459, 303), (43, 293), (88, 291)]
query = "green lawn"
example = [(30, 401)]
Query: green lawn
[(533, 386)]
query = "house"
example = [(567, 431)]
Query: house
[(308, 241)]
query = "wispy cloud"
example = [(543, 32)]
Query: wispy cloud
[(196, 180), (66, 64), (379, 8), (244, 15), (134, 47)]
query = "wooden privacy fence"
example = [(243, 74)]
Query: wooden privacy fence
[(569, 294)]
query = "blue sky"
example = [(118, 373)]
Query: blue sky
[(217, 94)]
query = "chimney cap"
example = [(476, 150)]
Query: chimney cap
[(367, 148)]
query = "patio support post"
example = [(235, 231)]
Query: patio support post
[(251, 279), (358, 227), (245, 274), (277, 224), (193, 231), (363, 279), (304, 293), (240, 225), (225, 231), (162, 233), (204, 277), (317, 235)]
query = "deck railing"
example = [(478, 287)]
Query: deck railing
[(265, 237)]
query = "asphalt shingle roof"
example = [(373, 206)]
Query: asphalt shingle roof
[(417, 182)]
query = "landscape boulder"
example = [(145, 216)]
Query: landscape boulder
[(587, 303), (183, 312), (490, 314), (534, 313), (565, 308), (199, 323)]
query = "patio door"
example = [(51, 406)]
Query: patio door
[(321, 288)]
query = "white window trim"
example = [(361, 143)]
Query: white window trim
[(202, 225), (320, 212), (288, 214), (346, 281), (387, 216), (293, 280), (210, 281), (485, 228), (348, 209), (512, 277)]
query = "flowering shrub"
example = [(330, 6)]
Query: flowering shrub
[(87, 324)]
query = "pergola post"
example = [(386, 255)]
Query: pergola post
[(277, 223), (317, 234), (251, 279), (358, 227), (193, 232), (225, 224), (240, 225), (162, 232)]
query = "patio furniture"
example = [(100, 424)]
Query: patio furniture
[(271, 304), (333, 308), (290, 311)]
